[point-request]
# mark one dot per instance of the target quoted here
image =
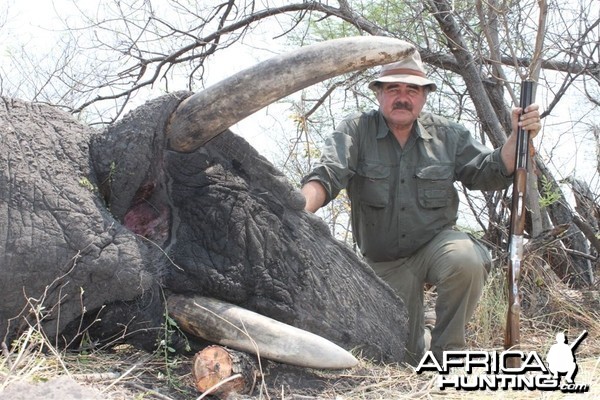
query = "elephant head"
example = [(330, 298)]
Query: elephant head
[(99, 228)]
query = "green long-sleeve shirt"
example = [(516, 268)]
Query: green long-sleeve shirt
[(402, 197)]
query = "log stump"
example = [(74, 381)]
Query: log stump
[(221, 372)]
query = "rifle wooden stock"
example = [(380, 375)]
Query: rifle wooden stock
[(512, 336)]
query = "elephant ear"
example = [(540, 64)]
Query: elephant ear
[(61, 252)]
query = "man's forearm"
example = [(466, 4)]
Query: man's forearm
[(315, 195), (508, 152)]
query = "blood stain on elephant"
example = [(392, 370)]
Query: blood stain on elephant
[(148, 216)]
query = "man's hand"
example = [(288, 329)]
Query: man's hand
[(530, 121)]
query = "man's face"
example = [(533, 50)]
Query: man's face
[(401, 103)]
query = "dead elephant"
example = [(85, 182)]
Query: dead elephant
[(98, 228)]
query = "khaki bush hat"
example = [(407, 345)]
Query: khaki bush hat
[(409, 70)]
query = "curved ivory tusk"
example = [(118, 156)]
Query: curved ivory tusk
[(204, 115), (244, 330)]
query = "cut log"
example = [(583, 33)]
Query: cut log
[(233, 326), (221, 372)]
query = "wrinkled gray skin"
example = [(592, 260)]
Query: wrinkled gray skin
[(57, 238), (112, 222)]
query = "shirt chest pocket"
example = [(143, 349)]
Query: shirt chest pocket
[(373, 184), (434, 185)]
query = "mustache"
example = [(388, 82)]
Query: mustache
[(401, 105)]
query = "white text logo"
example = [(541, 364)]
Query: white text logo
[(485, 370)]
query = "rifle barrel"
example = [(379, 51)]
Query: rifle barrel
[(512, 337)]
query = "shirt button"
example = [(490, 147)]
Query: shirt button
[(401, 180)]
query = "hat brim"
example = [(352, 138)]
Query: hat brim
[(404, 78)]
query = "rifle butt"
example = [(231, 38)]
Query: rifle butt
[(512, 334)]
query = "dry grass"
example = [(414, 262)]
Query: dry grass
[(126, 373)]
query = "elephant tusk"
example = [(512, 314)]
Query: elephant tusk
[(241, 329), (204, 115)]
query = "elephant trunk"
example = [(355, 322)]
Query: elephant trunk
[(206, 114)]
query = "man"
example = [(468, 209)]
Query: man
[(398, 167)]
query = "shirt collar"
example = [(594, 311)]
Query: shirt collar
[(422, 131), (418, 129)]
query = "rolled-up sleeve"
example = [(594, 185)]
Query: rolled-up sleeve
[(337, 163)]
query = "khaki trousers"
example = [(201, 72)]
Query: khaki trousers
[(458, 266)]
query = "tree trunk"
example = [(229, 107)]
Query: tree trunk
[(576, 271), (471, 74)]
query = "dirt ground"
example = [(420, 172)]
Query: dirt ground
[(61, 388)]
